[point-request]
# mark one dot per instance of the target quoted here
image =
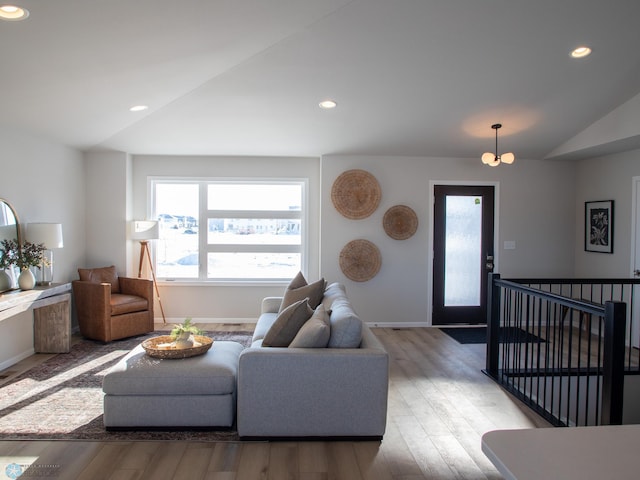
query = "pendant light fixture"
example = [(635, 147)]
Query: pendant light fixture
[(493, 159)]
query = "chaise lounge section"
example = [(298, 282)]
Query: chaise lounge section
[(337, 391)]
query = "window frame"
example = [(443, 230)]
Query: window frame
[(204, 214)]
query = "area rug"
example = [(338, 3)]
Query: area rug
[(475, 335), (62, 397)]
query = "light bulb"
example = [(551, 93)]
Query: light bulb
[(327, 104), (581, 52), (12, 12), (507, 158), (495, 162), (488, 158)]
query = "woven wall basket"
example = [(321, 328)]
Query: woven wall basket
[(356, 194), (400, 222), (360, 260)]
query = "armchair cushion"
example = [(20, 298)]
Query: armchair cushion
[(122, 303), (101, 275)]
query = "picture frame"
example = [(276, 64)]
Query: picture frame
[(598, 226)]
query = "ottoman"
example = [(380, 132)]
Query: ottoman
[(141, 391)]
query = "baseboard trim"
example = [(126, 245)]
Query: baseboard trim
[(15, 359), (237, 321), (398, 324), (158, 321)]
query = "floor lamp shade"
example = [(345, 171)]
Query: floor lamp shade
[(145, 230), (50, 235)]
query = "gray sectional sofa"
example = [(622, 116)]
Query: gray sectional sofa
[(336, 391)]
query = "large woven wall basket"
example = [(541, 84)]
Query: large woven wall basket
[(356, 194)]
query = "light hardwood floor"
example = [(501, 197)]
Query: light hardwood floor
[(440, 404)]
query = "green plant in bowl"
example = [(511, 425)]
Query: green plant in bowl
[(182, 334)]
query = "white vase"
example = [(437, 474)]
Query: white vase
[(184, 340), (26, 280), (5, 281)]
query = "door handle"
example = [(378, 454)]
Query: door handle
[(636, 273), (489, 264)]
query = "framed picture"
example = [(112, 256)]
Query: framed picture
[(598, 226)]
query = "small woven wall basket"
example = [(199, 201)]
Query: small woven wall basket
[(400, 222), (355, 194), (360, 260)]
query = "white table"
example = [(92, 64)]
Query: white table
[(580, 453)]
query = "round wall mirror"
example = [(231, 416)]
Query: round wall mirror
[(9, 230), (9, 224)]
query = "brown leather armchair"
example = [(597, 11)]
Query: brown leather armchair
[(111, 307)]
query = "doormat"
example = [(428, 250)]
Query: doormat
[(475, 335), (62, 397)]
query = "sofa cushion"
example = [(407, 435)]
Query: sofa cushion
[(346, 326), (299, 289), (287, 324), (315, 332), (101, 275), (334, 293)]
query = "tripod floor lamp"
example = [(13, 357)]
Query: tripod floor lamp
[(144, 231)]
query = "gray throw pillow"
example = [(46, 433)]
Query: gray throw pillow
[(299, 289), (315, 332), (287, 324)]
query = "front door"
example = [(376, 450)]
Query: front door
[(463, 253), (635, 264)]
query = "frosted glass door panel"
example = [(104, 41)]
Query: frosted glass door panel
[(463, 250)]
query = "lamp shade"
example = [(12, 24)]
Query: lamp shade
[(507, 158), (49, 234), (145, 230)]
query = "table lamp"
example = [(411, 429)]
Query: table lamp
[(50, 235)]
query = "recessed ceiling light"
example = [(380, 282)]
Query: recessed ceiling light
[(13, 13), (327, 104), (138, 108), (581, 52)]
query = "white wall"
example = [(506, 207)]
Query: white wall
[(107, 209), (606, 178), (222, 302), (536, 210), (44, 182)]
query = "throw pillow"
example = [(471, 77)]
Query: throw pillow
[(287, 324), (315, 332), (101, 275), (299, 289)]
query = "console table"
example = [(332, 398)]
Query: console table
[(580, 453), (51, 307)]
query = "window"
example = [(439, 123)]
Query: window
[(229, 230)]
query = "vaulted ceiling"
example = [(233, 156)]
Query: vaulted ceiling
[(244, 77)]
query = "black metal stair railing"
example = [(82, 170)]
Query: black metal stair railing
[(563, 346)]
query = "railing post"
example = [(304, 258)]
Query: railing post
[(613, 362), (493, 325)]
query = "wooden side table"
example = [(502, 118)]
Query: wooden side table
[(52, 324)]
